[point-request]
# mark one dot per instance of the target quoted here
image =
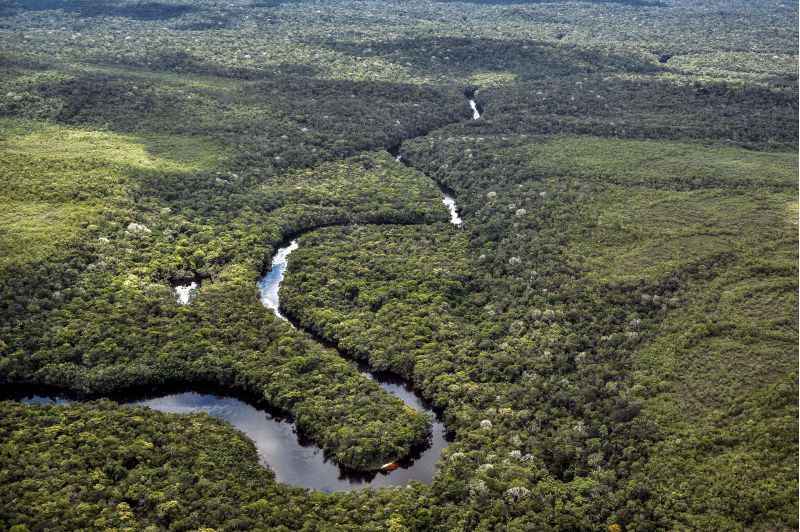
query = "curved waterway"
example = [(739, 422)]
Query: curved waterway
[(293, 460), (421, 466)]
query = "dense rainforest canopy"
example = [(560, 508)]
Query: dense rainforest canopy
[(610, 337)]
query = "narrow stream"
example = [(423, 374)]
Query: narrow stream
[(447, 198), (476, 114), (469, 92), (269, 284), (450, 203)]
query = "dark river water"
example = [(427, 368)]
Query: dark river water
[(279, 448), (320, 474), (295, 462)]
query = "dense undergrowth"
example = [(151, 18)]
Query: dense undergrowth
[(516, 328), (611, 337)]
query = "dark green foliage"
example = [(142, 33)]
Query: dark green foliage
[(270, 126), (552, 253), (136, 10), (642, 3), (105, 320), (415, 298), (642, 108), (525, 59), (130, 467)]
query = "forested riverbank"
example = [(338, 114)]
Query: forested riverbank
[(179, 345)]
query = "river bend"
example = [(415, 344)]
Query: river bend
[(293, 460)]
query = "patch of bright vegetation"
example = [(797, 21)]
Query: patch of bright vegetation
[(720, 380), (642, 235), (676, 165), (57, 181)]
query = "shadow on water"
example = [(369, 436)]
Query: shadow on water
[(421, 464), (293, 459)]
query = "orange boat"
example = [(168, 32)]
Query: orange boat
[(391, 466)]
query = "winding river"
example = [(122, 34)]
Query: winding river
[(315, 471), (294, 461)]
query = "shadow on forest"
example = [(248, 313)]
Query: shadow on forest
[(180, 61), (210, 23), (462, 57), (636, 3), (643, 108), (294, 120), (105, 8)]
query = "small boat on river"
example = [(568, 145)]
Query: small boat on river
[(391, 466)]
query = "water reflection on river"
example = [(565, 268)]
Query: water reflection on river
[(269, 285), (294, 461), (450, 203), (476, 114)]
